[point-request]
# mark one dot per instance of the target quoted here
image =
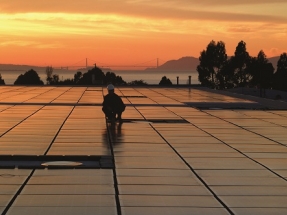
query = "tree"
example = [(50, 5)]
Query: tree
[(261, 72), (137, 82), (280, 77), (254, 71), (211, 62), (49, 73), (266, 71), (93, 76), (165, 81), (30, 77), (96, 76), (120, 81), (77, 77), (55, 79), (240, 61), (67, 81), (226, 75), (111, 77), (2, 82)]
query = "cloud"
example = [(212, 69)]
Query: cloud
[(90, 23), (240, 29), (274, 52), (30, 44), (226, 2), (59, 25), (150, 9), (22, 43)]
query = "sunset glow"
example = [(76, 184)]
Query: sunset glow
[(128, 32)]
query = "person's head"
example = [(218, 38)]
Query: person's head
[(110, 88)]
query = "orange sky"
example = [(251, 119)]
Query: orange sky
[(129, 32)]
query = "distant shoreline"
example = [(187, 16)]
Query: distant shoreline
[(150, 77)]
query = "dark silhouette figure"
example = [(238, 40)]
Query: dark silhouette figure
[(113, 106)]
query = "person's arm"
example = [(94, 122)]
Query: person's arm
[(104, 102), (121, 104)]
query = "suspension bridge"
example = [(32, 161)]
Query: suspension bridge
[(89, 63)]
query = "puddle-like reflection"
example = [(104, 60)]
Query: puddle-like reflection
[(116, 132), (113, 133)]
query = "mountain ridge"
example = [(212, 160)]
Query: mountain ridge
[(183, 63), (190, 63)]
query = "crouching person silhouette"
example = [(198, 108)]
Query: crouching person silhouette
[(113, 106)]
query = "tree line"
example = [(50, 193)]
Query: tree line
[(94, 76), (217, 70)]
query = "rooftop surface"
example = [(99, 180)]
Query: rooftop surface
[(179, 151)]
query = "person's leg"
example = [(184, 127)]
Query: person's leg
[(108, 113), (119, 117)]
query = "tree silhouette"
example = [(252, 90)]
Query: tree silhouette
[(2, 82), (77, 77), (67, 82), (96, 76), (111, 77), (120, 81), (266, 70), (211, 62), (261, 71), (93, 76), (254, 71), (280, 77), (165, 81), (240, 60), (30, 77), (49, 73), (137, 82), (226, 75), (55, 79)]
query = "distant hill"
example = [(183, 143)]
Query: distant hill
[(274, 61), (14, 67), (184, 63), (190, 63), (25, 68)]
